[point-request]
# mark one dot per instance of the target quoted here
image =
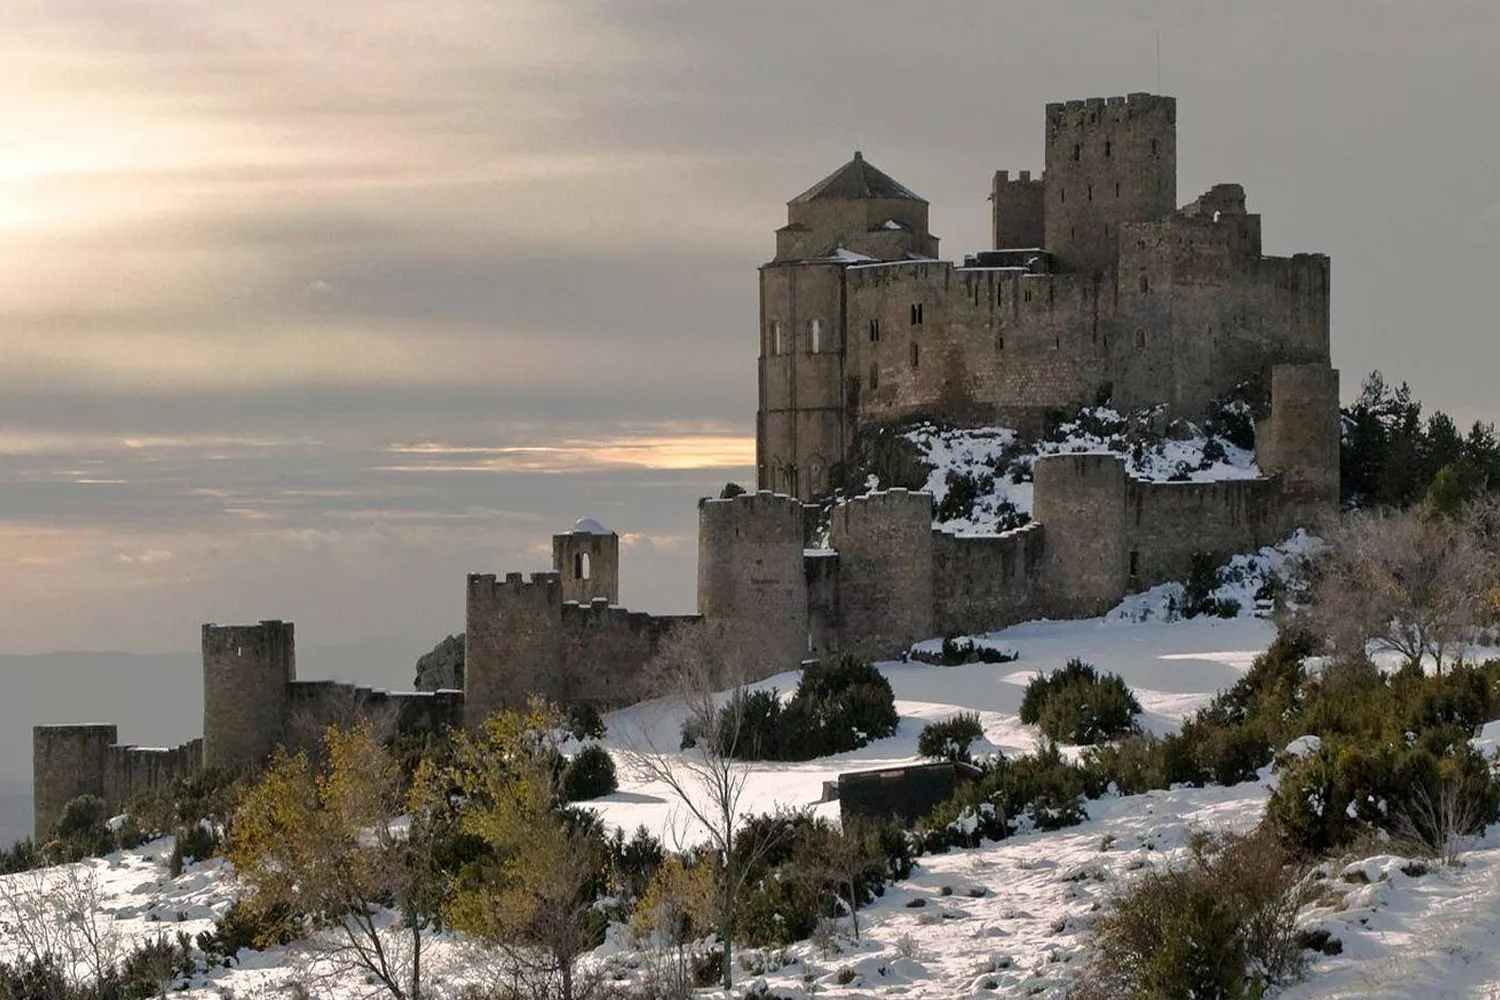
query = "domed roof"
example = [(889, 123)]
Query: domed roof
[(588, 526)]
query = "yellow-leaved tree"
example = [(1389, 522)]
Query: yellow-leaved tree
[(530, 891), (347, 852)]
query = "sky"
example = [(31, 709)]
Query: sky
[(307, 310)]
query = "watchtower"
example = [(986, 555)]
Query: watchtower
[(246, 673), (1109, 161), (587, 558)]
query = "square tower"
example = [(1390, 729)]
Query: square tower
[(1109, 161), (587, 559)]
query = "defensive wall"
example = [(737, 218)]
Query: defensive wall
[(252, 703)]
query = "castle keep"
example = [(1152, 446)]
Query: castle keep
[(1098, 286)]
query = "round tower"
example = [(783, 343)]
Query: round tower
[(587, 558), (752, 584), (246, 673)]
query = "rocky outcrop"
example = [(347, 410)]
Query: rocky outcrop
[(442, 669)]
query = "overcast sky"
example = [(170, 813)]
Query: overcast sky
[(307, 309)]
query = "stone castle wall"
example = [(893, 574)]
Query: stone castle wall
[(752, 578), (884, 542), (986, 582)]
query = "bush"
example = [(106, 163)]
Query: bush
[(956, 651), (841, 703), (242, 927), (1222, 927), (197, 842), (811, 872), (83, 829), (1078, 705), (950, 738), (1328, 798), (585, 723), (589, 774)]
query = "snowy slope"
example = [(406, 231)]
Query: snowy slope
[(1008, 919)]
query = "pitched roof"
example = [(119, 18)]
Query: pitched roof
[(854, 180)]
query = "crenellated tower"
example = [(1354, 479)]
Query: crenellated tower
[(1109, 161)]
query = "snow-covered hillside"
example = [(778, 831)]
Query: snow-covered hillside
[(1007, 919)]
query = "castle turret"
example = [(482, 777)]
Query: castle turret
[(246, 673), (512, 642), (884, 542), (66, 762), (1080, 501), (1109, 161), (587, 558), (752, 584), (1300, 442)]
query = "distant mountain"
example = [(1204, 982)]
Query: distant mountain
[(156, 699)]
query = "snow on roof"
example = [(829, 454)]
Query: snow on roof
[(588, 526), (891, 224), (848, 256)]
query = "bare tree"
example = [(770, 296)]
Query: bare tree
[(1403, 581), (59, 914), (693, 669), (1439, 818)]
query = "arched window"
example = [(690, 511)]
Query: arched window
[(874, 376), (776, 345), (580, 565), (1108, 147), (914, 355), (815, 335), (1077, 152), (1145, 284)]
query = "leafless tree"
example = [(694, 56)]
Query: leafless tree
[(1439, 818), (59, 913), (1403, 581), (692, 672)]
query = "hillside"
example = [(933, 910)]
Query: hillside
[(1005, 919)]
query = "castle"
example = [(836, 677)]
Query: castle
[(1097, 286)]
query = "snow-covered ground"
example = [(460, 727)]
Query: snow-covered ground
[(1001, 461), (1008, 919)]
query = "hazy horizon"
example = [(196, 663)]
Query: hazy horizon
[(309, 311)]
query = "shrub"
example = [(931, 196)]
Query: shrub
[(841, 703), (955, 652), (950, 738), (1078, 705), (197, 842), (1328, 798), (810, 872), (243, 927), (589, 774), (1221, 927), (585, 723), (83, 829)]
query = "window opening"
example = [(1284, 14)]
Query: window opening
[(816, 329), (914, 355), (874, 331), (874, 377), (1145, 284)]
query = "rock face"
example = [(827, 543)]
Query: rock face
[(443, 668)]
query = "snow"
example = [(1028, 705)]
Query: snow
[(999, 458), (849, 256), (1010, 919)]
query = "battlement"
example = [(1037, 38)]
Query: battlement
[(1130, 105), (480, 583)]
